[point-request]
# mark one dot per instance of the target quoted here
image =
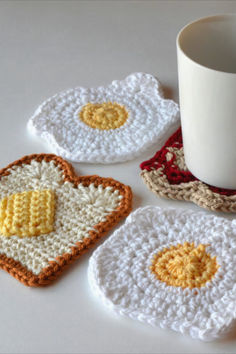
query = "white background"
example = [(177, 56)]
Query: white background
[(49, 46)]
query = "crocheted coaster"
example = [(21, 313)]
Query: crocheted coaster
[(167, 176), (170, 268), (49, 216), (106, 124)]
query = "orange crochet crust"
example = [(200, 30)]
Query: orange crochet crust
[(55, 268)]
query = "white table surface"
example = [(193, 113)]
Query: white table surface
[(49, 46)]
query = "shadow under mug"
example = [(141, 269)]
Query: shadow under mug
[(206, 51)]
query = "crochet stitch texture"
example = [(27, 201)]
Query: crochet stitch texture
[(107, 124), (49, 216), (120, 275), (184, 265), (27, 214), (166, 175)]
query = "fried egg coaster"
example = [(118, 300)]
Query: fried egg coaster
[(170, 268), (49, 216), (106, 124), (167, 176)]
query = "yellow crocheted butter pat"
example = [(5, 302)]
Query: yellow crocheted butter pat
[(27, 214)]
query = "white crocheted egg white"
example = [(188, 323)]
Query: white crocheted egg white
[(150, 119), (119, 272), (77, 210)]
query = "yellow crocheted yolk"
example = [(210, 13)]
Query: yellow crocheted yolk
[(26, 214), (184, 266), (104, 116)]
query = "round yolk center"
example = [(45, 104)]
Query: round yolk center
[(184, 266), (104, 116)]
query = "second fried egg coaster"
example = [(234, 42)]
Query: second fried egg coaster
[(170, 268)]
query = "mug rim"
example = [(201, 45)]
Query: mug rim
[(199, 20)]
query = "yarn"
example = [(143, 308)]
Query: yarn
[(84, 208), (106, 124), (27, 214), (124, 277), (166, 175), (184, 265), (105, 116)]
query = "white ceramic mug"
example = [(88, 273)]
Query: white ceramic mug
[(206, 51)]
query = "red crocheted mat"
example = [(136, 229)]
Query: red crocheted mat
[(167, 175), (95, 205)]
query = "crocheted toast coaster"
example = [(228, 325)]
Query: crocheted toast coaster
[(167, 176), (106, 124), (49, 216), (170, 268)]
